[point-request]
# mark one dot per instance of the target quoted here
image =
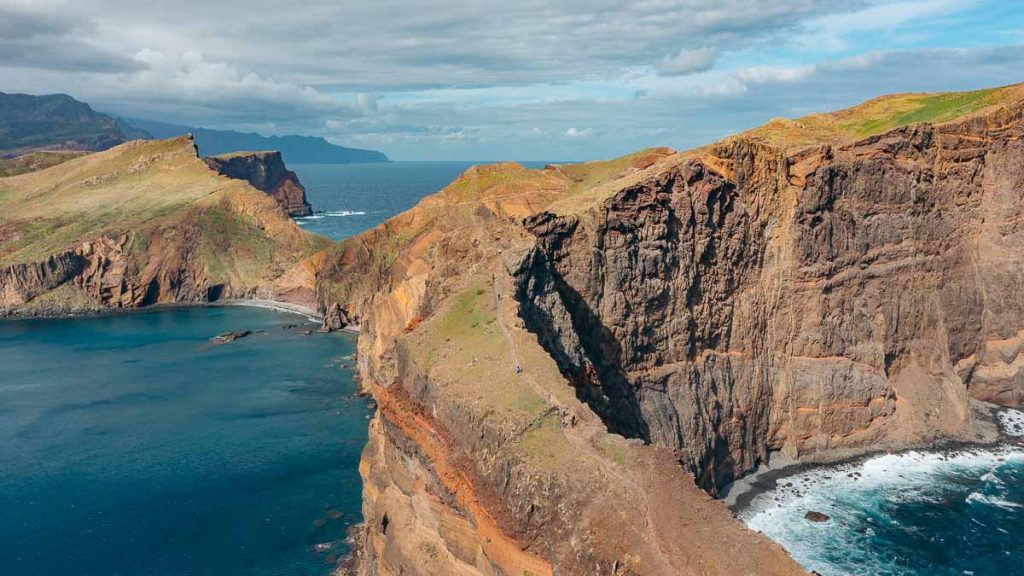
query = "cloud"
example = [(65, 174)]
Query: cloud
[(536, 79), (53, 41), (688, 62)]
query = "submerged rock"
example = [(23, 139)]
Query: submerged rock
[(230, 336)]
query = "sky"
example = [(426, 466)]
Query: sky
[(483, 80)]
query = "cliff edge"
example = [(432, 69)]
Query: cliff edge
[(265, 171), (570, 362), (146, 222)]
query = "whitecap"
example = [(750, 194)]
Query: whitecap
[(335, 214), (976, 497), (852, 493), (1012, 422)]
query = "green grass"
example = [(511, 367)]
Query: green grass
[(914, 109), (880, 115), (233, 246)]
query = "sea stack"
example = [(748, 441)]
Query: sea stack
[(265, 171)]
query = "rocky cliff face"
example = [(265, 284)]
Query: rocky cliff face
[(833, 301), (265, 171), (561, 358), (183, 234), (481, 459)]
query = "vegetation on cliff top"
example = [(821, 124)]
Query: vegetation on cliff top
[(157, 192), (881, 114)]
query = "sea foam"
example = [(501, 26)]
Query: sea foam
[(1012, 422), (882, 508)]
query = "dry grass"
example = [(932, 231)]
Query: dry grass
[(144, 188), (880, 115)]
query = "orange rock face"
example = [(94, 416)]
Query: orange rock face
[(673, 321)]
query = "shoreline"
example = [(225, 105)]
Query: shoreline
[(741, 493), (276, 305)]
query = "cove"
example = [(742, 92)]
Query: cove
[(131, 444)]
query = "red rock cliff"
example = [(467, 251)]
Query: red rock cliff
[(265, 171)]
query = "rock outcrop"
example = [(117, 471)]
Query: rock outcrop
[(335, 318), (833, 301), (265, 171)]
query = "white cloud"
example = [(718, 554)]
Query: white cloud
[(578, 133), (688, 62), (191, 77)]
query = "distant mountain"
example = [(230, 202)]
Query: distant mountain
[(58, 122), (294, 149)]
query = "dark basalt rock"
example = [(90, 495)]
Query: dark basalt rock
[(335, 319), (814, 516), (265, 171), (230, 336)]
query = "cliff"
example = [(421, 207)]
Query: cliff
[(265, 171), (147, 222), (569, 362)]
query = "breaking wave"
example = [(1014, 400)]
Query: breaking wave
[(959, 512), (338, 214)]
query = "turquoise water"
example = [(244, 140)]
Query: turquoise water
[(917, 513), (350, 198), (132, 445)]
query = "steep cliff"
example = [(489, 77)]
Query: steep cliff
[(265, 171), (563, 359), (145, 223)]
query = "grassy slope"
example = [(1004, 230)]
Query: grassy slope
[(161, 193), (881, 114), (34, 161)]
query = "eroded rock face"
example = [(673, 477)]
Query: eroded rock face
[(335, 318), (820, 303), (266, 171)]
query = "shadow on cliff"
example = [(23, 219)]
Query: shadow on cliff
[(595, 369)]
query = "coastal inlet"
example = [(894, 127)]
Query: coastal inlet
[(133, 444)]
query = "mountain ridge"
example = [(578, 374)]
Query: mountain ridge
[(294, 149), (57, 122)]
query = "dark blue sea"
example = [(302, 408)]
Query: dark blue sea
[(916, 513), (350, 198), (131, 445)]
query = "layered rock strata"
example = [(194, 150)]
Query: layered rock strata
[(564, 359), (265, 171)]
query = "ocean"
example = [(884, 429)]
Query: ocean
[(914, 513), (133, 445), (350, 198)]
